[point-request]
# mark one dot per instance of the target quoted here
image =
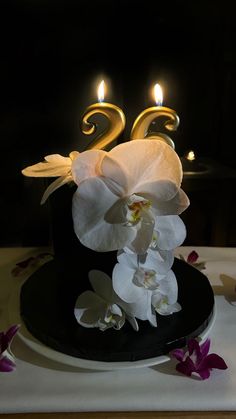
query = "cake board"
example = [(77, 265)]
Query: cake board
[(47, 310)]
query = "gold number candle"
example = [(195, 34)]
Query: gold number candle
[(142, 123), (114, 115)]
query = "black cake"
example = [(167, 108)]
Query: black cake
[(48, 298)]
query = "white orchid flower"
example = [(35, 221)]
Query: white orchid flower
[(138, 181), (100, 308), (158, 261), (162, 304), (56, 165), (135, 281), (164, 299)]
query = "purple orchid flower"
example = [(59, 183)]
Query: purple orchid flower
[(196, 359), (6, 363), (192, 257), (192, 260)]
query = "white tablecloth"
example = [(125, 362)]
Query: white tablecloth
[(42, 385)]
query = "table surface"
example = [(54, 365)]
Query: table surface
[(44, 388)]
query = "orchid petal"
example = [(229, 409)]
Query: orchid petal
[(73, 155), (117, 213), (141, 309), (54, 186), (133, 322), (174, 206), (171, 231), (88, 299), (204, 347), (88, 308), (6, 364), (193, 346), (89, 318), (90, 204), (204, 374), (186, 367), (192, 257), (115, 309), (58, 160), (158, 190), (128, 259), (151, 317), (122, 280), (115, 171), (144, 234), (178, 354), (160, 261), (147, 161), (213, 361), (139, 298), (169, 309), (102, 284), (87, 165), (169, 287), (6, 337), (53, 166), (114, 187)]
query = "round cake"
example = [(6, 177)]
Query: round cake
[(114, 291)]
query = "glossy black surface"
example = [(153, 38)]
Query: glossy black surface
[(47, 305)]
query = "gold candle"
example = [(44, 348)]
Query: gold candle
[(142, 123), (114, 115)]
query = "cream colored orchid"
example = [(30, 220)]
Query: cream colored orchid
[(101, 308), (56, 165), (135, 182)]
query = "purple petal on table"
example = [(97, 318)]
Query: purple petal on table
[(186, 367), (192, 257), (204, 374), (6, 365), (6, 338), (204, 347), (193, 345), (178, 354), (214, 361)]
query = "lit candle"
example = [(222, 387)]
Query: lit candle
[(115, 116), (142, 123), (189, 162), (190, 155)]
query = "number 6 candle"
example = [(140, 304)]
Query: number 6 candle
[(140, 129)]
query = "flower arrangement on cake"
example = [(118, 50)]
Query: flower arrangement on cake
[(125, 208), (128, 199)]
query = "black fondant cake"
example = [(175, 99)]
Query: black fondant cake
[(178, 300)]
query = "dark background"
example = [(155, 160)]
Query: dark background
[(52, 55)]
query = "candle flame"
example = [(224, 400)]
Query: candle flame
[(191, 155), (101, 91), (158, 95)]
